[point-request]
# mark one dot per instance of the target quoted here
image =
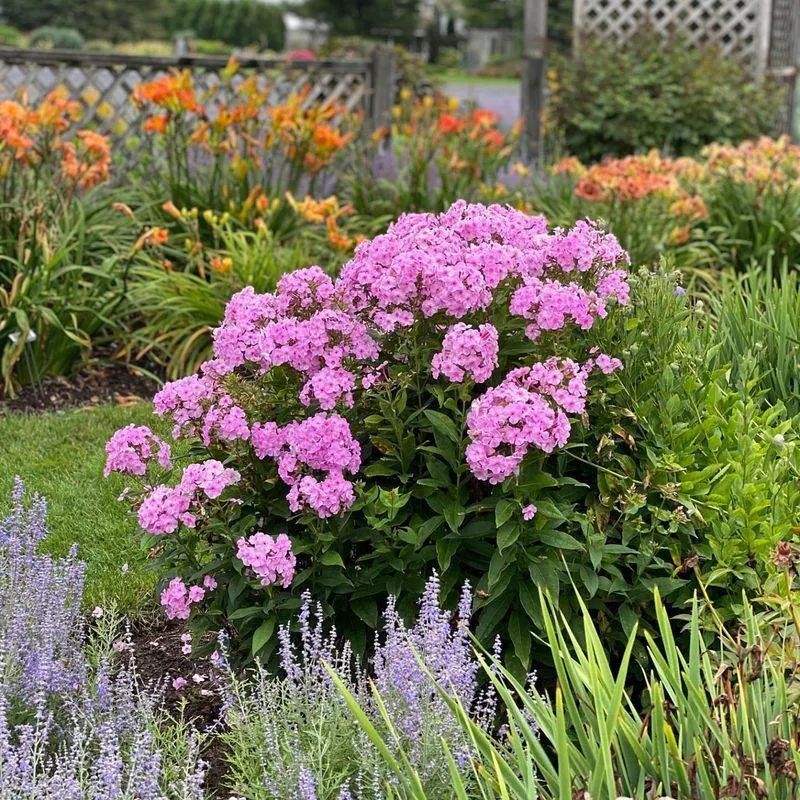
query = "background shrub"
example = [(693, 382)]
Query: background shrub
[(236, 22), (10, 36), (649, 93), (58, 38)]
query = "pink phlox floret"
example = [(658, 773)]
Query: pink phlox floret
[(327, 497), (550, 304), (467, 353), (584, 246), (226, 421), (177, 599), (184, 400), (211, 477), (504, 422), (164, 508), (303, 291), (132, 447), (607, 364), (329, 386), (272, 560), (322, 443)]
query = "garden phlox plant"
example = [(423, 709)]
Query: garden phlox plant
[(338, 415)]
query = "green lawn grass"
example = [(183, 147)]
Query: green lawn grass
[(61, 456), (462, 76)]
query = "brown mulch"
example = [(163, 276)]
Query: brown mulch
[(108, 383), (158, 653)]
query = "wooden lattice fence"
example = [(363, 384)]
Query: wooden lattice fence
[(741, 27), (103, 83)]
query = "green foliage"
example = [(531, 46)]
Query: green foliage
[(751, 224), (493, 13), (694, 465), (210, 47), (58, 38), (616, 100), (757, 317), (59, 288), (10, 36), (236, 22), (116, 20), (710, 718), (376, 18)]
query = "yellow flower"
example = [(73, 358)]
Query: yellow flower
[(171, 209), (222, 264)]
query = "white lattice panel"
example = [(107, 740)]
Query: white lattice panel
[(740, 27)]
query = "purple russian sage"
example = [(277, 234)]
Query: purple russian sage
[(103, 743), (41, 630), (439, 640), (299, 729), (68, 731)]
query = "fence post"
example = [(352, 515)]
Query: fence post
[(577, 24), (794, 90), (764, 31), (382, 86), (532, 84)]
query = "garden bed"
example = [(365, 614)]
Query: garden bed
[(94, 386), (494, 502)]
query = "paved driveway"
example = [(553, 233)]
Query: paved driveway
[(501, 97)]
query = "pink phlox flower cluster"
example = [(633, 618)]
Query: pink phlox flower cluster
[(451, 263), (329, 386), (326, 339), (272, 560), (131, 447), (165, 508), (184, 400), (304, 291), (177, 599), (550, 304), (504, 422), (561, 379), (239, 338), (614, 283), (327, 497), (528, 409), (467, 353), (322, 443), (226, 420), (584, 246), (211, 477)]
